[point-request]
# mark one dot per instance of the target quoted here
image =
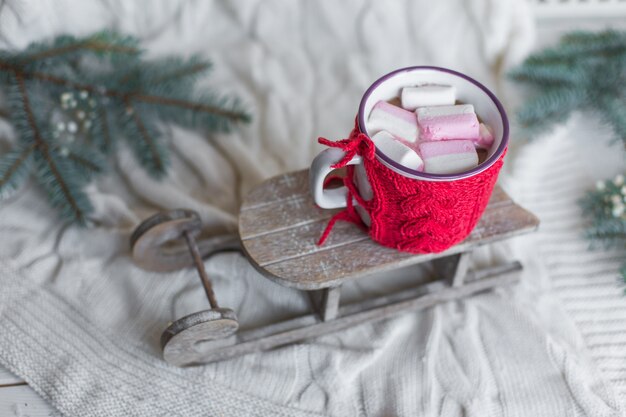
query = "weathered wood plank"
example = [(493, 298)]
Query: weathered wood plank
[(277, 189), (278, 217), (22, 401), (300, 242)]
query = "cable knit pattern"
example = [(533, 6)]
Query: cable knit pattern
[(411, 215)]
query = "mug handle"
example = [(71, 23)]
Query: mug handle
[(320, 168)]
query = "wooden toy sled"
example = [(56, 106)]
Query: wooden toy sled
[(278, 228)]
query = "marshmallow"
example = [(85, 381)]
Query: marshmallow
[(398, 151), (395, 120), (428, 95), (448, 156), (448, 122), (485, 137)]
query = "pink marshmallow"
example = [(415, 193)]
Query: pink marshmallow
[(448, 122), (448, 156), (395, 120), (398, 151), (486, 138)]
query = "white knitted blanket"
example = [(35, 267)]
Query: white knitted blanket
[(80, 323)]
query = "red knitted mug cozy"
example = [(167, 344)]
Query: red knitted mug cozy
[(406, 214)]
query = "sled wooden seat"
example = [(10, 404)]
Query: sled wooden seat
[(279, 226)]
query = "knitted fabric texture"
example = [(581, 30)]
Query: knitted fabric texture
[(406, 214)]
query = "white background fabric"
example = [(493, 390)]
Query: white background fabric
[(92, 320)]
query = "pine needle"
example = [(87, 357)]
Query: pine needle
[(14, 168)]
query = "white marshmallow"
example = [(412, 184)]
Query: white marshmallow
[(398, 151), (395, 120), (427, 95), (439, 111)]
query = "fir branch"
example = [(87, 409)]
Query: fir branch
[(103, 120), (43, 148), (155, 163), (13, 169), (15, 165), (63, 184), (553, 105), (606, 238), (593, 42), (581, 45), (71, 100), (86, 161), (92, 44), (555, 74), (585, 71), (234, 116), (193, 106), (168, 71), (612, 110), (183, 72), (605, 208), (89, 165)]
